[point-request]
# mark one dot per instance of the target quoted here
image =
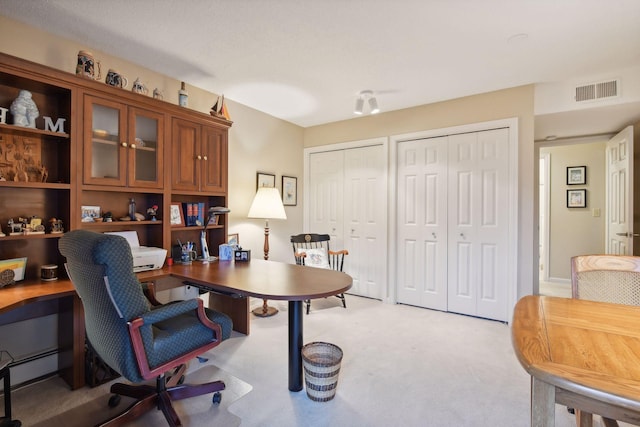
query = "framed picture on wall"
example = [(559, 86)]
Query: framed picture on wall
[(576, 175), (265, 180), (289, 190), (577, 198)]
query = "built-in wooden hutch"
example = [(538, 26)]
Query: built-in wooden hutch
[(115, 145)]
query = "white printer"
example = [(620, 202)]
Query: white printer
[(144, 258)]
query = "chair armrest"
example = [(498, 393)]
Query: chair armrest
[(168, 311), (149, 290), (340, 252)]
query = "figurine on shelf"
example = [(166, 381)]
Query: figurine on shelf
[(55, 225), (107, 217), (24, 110), (153, 212)]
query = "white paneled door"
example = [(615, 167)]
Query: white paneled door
[(422, 223), (453, 223), (619, 193), (347, 199)]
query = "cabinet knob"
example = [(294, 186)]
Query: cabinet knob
[(124, 144), (205, 158), (199, 157), (132, 146)]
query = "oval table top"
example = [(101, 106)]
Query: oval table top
[(260, 279), (586, 347)]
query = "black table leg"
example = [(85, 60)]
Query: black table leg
[(295, 345)]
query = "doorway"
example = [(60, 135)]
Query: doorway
[(568, 231)]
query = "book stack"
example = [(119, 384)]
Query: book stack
[(194, 214)]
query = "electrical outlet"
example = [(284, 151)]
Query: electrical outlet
[(596, 212)]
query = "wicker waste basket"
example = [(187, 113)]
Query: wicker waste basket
[(321, 362)]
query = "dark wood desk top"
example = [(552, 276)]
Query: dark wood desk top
[(23, 293), (259, 278), (586, 347)]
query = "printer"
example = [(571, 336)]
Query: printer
[(144, 258)]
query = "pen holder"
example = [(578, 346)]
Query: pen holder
[(186, 256)]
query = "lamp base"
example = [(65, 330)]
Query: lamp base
[(265, 310)]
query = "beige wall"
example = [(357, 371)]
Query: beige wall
[(575, 231), (257, 141), (515, 102)]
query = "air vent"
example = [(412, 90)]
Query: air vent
[(593, 91)]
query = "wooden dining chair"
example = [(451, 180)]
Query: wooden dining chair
[(312, 250), (605, 278)]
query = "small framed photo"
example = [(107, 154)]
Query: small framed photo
[(289, 190), (176, 216), (265, 180), (233, 239), (576, 175), (577, 198), (90, 213)]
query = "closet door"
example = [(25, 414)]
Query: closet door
[(478, 223), (422, 223), (326, 181), (365, 219)]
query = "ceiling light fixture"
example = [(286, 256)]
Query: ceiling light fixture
[(366, 95)]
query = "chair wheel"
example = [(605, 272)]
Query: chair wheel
[(217, 398), (114, 400)]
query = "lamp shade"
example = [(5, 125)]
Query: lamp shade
[(267, 204)]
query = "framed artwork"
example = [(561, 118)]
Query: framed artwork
[(577, 198), (90, 213), (265, 180), (176, 216), (233, 239), (576, 175), (289, 190)]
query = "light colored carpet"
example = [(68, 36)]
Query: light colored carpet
[(402, 366)]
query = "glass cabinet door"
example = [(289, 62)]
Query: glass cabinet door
[(104, 159), (124, 145), (145, 149)]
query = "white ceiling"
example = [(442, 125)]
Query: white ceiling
[(306, 60)]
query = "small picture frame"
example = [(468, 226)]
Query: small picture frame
[(176, 216), (90, 213), (233, 239), (289, 190), (265, 180), (577, 198), (576, 175)]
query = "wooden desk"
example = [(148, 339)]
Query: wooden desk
[(579, 353), (265, 280), (27, 300), (258, 278)]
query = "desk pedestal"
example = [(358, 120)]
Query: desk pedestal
[(295, 345)]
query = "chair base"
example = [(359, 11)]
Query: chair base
[(160, 397)]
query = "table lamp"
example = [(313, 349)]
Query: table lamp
[(267, 204)]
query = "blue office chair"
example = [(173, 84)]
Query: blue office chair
[(136, 339)]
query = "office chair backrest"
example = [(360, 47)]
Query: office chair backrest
[(606, 278), (101, 269)]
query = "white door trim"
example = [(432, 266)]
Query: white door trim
[(545, 237), (512, 262)]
